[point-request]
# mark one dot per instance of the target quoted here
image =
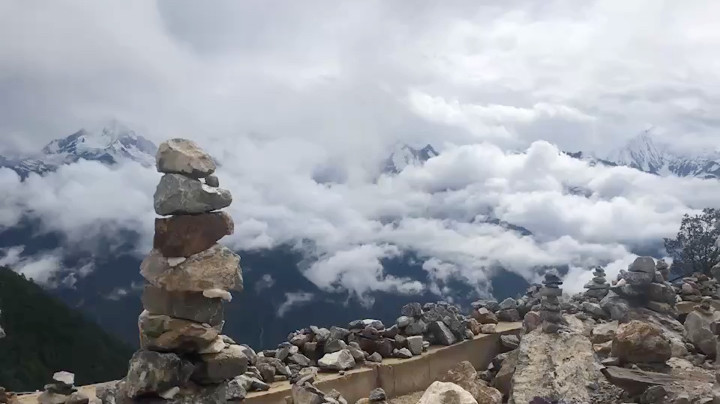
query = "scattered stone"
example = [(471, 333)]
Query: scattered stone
[(415, 344), (442, 333), (377, 395), (465, 376), (341, 360), (510, 342)]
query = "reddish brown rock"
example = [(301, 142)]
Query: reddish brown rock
[(185, 235)]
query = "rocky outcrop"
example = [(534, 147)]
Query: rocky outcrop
[(465, 376), (567, 356)]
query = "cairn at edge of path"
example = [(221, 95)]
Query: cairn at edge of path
[(188, 278)]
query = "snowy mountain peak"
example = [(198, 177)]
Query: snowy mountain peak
[(645, 153), (405, 155), (110, 144), (641, 152)]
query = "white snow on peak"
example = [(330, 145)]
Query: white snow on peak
[(404, 156), (110, 143)]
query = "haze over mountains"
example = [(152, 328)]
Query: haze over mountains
[(292, 279)]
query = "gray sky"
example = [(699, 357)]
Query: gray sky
[(280, 90), (584, 75)]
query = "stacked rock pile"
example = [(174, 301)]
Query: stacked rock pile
[(62, 391), (642, 284), (694, 288), (598, 287), (189, 276), (550, 315)]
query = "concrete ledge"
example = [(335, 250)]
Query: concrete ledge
[(396, 376), (400, 376)]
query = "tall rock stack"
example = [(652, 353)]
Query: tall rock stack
[(598, 287), (550, 315), (188, 277)]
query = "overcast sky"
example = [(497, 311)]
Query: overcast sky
[(282, 90)]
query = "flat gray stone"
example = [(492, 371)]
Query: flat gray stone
[(186, 305), (179, 195)]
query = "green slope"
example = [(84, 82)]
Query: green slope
[(44, 336)]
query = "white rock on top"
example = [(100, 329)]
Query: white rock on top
[(64, 377), (182, 156)]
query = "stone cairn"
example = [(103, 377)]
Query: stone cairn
[(183, 355), (598, 287), (644, 285), (550, 315), (62, 390)]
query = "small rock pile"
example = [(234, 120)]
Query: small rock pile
[(598, 287), (304, 391), (643, 285), (183, 355), (550, 315), (62, 391), (694, 288)]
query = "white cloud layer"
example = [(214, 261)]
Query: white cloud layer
[(285, 94)]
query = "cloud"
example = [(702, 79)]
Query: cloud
[(294, 299), (283, 99), (40, 268)]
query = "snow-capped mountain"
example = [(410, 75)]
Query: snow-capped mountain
[(644, 153), (405, 155), (110, 144)]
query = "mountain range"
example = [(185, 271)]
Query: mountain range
[(644, 153), (109, 296)]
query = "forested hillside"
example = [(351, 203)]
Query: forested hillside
[(44, 336)]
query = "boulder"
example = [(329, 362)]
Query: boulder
[(341, 360), (446, 393), (531, 321), (179, 195), (164, 333), (225, 365), (697, 325), (191, 306), (509, 315), (186, 235), (643, 342), (442, 333), (154, 372), (215, 268), (417, 327), (182, 156), (567, 356), (465, 376), (509, 342), (306, 393)]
